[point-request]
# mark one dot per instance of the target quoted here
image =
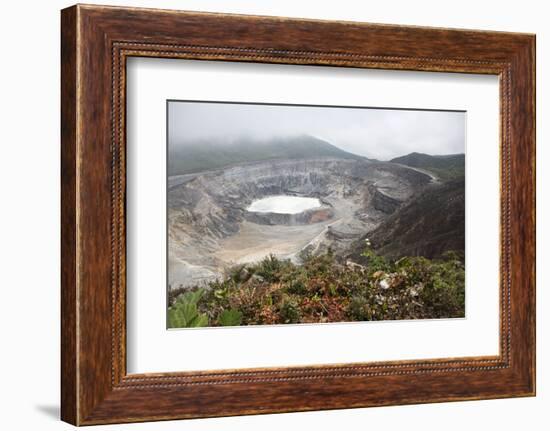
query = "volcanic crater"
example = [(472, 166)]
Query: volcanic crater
[(213, 223)]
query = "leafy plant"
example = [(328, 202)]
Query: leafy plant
[(191, 296), (269, 268), (290, 312), (184, 313), (375, 262), (359, 309), (230, 317)]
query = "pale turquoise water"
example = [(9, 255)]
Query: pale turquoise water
[(284, 204)]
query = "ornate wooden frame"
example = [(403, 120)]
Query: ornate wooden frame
[(95, 43)]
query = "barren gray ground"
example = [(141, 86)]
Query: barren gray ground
[(254, 241)]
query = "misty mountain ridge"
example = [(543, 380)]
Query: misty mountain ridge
[(447, 167), (209, 154)]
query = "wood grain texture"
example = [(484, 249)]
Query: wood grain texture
[(96, 41), (69, 397)]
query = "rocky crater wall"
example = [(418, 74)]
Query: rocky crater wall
[(207, 209), (383, 202)]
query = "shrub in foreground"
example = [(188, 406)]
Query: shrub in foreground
[(323, 289)]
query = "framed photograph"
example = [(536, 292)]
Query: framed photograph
[(264, 214), (285, 214)]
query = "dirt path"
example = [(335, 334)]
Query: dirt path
[(433, 177)]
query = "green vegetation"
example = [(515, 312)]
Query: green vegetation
[(230, 318), (323, 289), (446, 167), (184, 313)]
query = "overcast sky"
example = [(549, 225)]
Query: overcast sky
[(375, 133)]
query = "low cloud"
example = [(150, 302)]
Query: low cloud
[(374, 133)]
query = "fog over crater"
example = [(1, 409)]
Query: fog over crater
[(370, 132)]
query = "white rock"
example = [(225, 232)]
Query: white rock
[(384, 284)]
